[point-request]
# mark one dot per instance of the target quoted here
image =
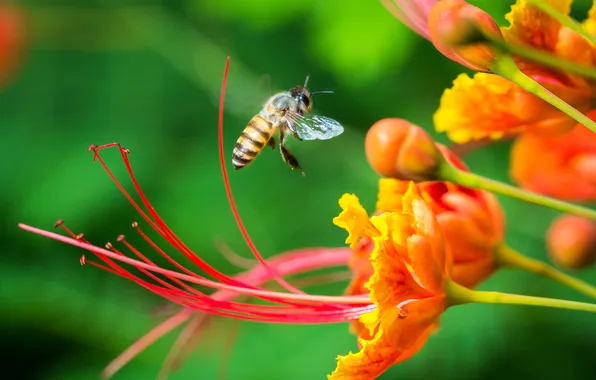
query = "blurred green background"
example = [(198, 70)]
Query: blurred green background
[(148, 74)]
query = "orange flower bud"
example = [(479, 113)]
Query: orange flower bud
[(399, 149), (571, 242), (11, 40), (459, 31)]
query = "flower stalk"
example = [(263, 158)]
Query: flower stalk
[(506, 67), (459, 295), (449, 173), (508, 257), (542, 58)]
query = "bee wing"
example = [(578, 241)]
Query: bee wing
[(315, 127)]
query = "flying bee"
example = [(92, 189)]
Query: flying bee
[(290, 113)]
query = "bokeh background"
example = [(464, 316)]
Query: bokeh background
[(148, 74)]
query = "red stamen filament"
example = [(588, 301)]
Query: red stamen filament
[(224, 172), (192, 332), (293, 262)]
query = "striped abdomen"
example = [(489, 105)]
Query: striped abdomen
[(254, 137)]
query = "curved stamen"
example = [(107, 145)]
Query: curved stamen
[(224, 172), (192, 332), (337, 256)]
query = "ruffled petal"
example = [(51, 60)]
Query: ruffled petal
[(488, 105), (392, 282), (391, 191), (530, 25), (396, 339), (354, 219)]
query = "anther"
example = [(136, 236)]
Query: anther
[(80, 236), (108, 245), (83, 260), (135, 225), (402, 313), (125, 150), (120, 238), (58, 223), (92, 147)]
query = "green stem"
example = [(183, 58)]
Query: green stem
[(509, 257), (505, 66), (543, 58), (459, 295), (564, 19), (449, 173)]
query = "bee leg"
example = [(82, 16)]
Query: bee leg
[(287, 156), (272, 143), (290, 159)]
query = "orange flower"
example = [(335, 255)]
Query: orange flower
[(563, 166), (410, 266), (490, 106), (472, 222)]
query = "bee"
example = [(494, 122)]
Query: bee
[(288, 112)]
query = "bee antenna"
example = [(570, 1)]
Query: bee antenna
[(306, 81), (321, 92)]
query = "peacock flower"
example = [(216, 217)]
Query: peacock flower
[(403, 151), (563, 166), (410, 268), (489, 106), (571, 241), (202, 291), (179, 284)]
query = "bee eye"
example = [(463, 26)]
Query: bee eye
[(304, 99)]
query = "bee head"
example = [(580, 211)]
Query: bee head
[(303, 97)]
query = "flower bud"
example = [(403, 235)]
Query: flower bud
[(399, 149), (460, 30), (12, 31), (571, 242)]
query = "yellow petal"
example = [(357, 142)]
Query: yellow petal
[(590, 23), (486, 106), (529, 25), (390, 194), (370, 362), (395, 339), (392, 281), (354, 219)]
